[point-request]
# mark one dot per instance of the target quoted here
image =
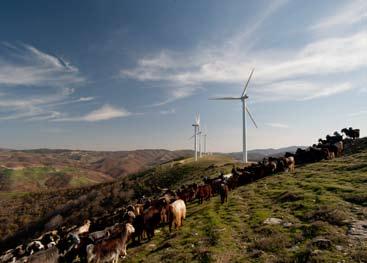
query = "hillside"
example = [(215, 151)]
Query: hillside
[(24, 215), (45, 169), (259, 154), (317, 214), (322, 218)]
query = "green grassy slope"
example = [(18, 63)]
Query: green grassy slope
[(177, 173), (43, 178), (318, 201)]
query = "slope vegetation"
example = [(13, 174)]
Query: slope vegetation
[(317, 214), (44, 169), (25, 215)]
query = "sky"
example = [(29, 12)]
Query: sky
[(124, 75)]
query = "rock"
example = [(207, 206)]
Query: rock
[(322, 243), (256, 253), (273, 221), (287, 224), (358, 230), (339, 248), (294, 248)]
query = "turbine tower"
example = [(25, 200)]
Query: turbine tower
[(204, 137), (245, 109), (196, 131), (200, 141)]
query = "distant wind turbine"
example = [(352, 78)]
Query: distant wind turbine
[(196, 126), (200, 133), (205, 131), (245, 109)]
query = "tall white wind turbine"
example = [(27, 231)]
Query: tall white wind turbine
[(196, 131), (245, 109)]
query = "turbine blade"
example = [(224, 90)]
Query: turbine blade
[(249, 114), (244, 90), (225, 98)]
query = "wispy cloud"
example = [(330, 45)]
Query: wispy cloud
[(86, 99), (106, 112), (350, 13), (277, 125), (166, 112), (26, 65), (358, 113), (276, 71), (183, 73), (305, 72), (34, 107), (176, 93), (50, 82)]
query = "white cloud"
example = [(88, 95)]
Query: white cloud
[(50, 79), (305, 72), (166, 112), (358, 113), (106, 112), (35, 107), (299, 90), (176, 93), (86, 98), (184, 73), (276, 70), (350, 13), (26, 65), (277, 125)]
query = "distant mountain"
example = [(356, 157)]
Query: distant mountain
[(259, 154), (47, 169)]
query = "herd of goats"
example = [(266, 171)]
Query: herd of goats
[(105, 239)]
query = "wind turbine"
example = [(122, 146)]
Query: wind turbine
[(200, 142), (245, 109), (196, 131), (204, 137)]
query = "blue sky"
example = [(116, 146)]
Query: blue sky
[(122, 75)]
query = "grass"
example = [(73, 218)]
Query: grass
[(43, 178), (318, 201)]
